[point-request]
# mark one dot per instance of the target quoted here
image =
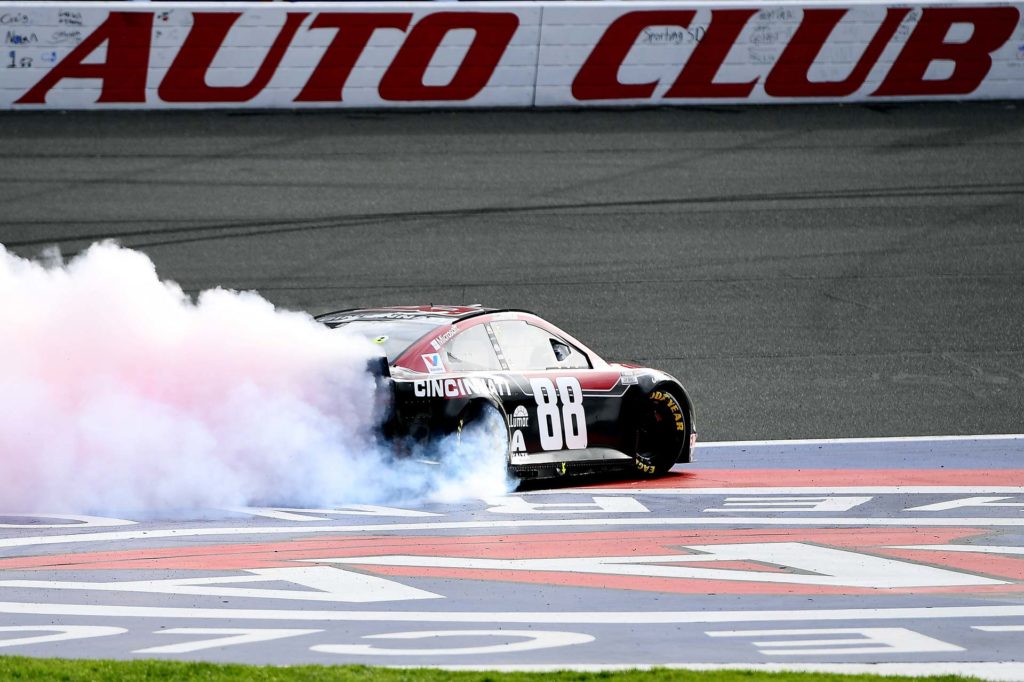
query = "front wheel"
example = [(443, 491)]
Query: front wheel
[(662, 432)]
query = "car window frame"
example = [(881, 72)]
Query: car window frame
[(557, 337), (443, 350)]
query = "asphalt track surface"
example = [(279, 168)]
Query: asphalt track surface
[(911, 560), (808, 272)]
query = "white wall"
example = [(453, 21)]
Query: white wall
[(118, 55)]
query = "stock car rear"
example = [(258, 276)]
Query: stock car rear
[(564, 409)]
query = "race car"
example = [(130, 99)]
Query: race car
[(564, 409)]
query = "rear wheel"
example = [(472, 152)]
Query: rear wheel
[(662, 432), (481, 432)]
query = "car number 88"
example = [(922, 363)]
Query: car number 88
[(552, 423)]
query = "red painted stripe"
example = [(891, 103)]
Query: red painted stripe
[(525, 546), (565, 545), (668, 585), (998, 566), (825, 478)]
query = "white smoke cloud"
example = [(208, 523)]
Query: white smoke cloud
[(119, 393)]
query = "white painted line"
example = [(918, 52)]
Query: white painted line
[(999, 628), (996, 672), (983, 549), (325, 584), (866, 641), (514, 524), (598, 504), (77, 521), (969, 502), (293, 514), (860, 441), (531, 617), (229, 637), (60, 633), (534, 639), (801, 491), (809, 565)]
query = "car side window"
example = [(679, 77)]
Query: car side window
[(527, 347), (569, 356), (471, 350)]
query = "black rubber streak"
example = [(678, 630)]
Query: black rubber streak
[(806, 271)]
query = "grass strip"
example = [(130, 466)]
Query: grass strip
[(73, 670)]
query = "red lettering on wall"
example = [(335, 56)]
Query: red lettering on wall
[(788, 78), (972, 60), (403, 81), (598, 78), (697, 78), (354, 31), (126, 38), (127, 35), (186, 79)]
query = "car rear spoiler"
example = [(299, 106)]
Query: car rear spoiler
[(379, 368)]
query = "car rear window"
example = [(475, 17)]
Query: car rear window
[(393, 336)]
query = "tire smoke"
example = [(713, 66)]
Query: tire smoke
[(119, 393)]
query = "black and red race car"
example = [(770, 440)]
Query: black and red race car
[(565, 409)]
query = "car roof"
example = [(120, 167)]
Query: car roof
[(438, 313), (442, 316)]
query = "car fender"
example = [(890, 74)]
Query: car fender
[(649, 380)]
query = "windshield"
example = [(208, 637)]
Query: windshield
[(393, 336)]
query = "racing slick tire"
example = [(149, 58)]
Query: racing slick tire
[(662, 432), (481, 427)]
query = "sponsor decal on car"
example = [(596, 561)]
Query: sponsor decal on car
[(433, 363), (461, 388), (440, 340), (517, 445), (519, 419), (370, 316)]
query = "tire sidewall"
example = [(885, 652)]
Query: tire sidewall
[(662, 398)]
